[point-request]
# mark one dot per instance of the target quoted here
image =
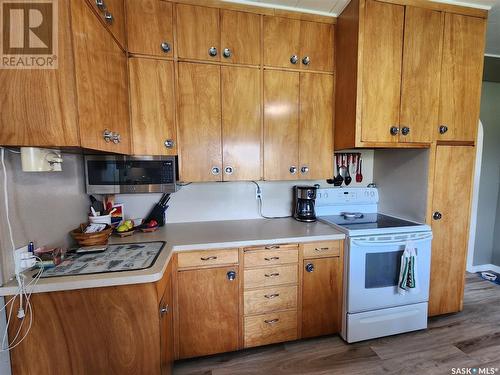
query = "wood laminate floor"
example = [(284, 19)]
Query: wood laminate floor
[(470, 339)]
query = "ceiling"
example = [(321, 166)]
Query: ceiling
[(335, 7)]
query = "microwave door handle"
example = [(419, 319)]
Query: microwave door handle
[(393, 242)]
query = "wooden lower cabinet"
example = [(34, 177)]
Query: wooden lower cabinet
[(108, 330), (208, 311), (270, 328), (451, 205), (321, 296)]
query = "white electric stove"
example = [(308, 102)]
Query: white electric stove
[(375, 242)]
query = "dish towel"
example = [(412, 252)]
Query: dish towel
[(408, 273)]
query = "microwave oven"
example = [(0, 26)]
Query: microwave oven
[(118, 174)]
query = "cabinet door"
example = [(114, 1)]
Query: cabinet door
[(281, 125), (113, 16), (316, 46), (38, 106), (382, 49), (199, 105), (101, 81), (281, 42), (150, 27), (240, 33), (451, 199), (152, 106), (421, 72), (321, 296), (167, 330), (197, 32), (316, 126), (241, 123), (208, 311), (461, 76)]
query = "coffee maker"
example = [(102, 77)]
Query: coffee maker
[(303, 203)]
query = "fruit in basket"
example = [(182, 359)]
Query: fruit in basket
[(129, 224), (122, 228), (152, 224)]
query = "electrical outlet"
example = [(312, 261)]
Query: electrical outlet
[(23, 260), (258, 193)]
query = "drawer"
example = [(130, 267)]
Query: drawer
[(270, 299), (207, 258), (270, 276), (258, 258), (321, 249), (270, 328)]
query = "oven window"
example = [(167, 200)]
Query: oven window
[(382, 269)]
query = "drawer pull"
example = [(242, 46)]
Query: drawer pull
[(271, 296), (208, 258), (274, 274), (271, 258), (271, 321), (321, 249), (272, 247)]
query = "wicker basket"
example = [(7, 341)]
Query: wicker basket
[(91, 239)]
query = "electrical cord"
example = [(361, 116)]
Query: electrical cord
[(260, 205)]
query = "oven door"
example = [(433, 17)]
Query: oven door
[(373, 267)]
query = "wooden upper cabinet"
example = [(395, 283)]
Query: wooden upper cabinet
[(198, 32), (421, 71), (101, 83), (199, 117), (241, 123), (316, 46), (281, 42), (461, 77), (208, 306), (281, 125), (381, 70), (321, 296), (152, 107), (451, 198), (112, 13), (291, 43), (240, 37), (38, 106), (316, 126), (150, 27)]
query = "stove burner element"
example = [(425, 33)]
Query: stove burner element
[(352, 215)]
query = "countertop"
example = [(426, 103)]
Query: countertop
[(185, 237)]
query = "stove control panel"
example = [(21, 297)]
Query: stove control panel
[(343, 196)]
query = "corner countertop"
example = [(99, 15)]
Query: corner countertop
[(186, 237)]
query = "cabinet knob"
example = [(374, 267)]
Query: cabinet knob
[(394, 130), (294, 59), (100, 4), (107, 135), (169, 143), (271, 296), (117, 138), (304, 169), (443, 129), (227, 53), (108, 17), (231, 275), (437, 215), (405, 130), (212, 51), (212, 257), (271, 275), (164, 310), (293, 169), (271, 321), (165, 47), (215, 171), (309, 267), (229, 170), (306, 60)]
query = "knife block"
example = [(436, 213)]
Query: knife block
[(158, 214)]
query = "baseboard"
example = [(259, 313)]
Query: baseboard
[(484, 267)]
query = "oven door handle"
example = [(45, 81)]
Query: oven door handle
[(401, 242)]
